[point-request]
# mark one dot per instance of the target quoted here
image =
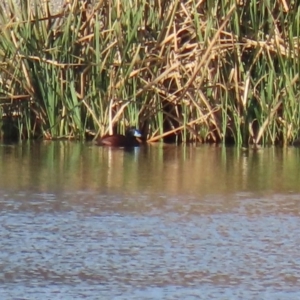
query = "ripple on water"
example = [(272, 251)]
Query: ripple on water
[(68, 251)]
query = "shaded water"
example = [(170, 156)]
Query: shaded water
[(83, 222)]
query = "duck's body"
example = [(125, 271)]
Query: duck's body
[(132, 138)]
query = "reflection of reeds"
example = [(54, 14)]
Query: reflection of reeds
[(159, 170), (181, 71)]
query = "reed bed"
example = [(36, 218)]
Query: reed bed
[(182, 71)]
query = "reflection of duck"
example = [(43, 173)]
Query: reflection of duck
[(132, 138)]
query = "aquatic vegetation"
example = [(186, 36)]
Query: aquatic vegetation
[(192, 71)]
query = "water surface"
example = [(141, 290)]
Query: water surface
[(160, 222)]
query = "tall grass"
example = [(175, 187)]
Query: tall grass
[(182, 71)]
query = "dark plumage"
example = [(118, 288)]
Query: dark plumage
[(132, 138)]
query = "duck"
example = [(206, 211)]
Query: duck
[(132, 138)]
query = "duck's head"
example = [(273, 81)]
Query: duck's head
[(133, 132)]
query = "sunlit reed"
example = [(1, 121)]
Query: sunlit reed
[(182, 71)]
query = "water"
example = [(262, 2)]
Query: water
[(83, 222)]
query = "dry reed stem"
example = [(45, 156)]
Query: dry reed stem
[(199, 120), (273, 111)]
